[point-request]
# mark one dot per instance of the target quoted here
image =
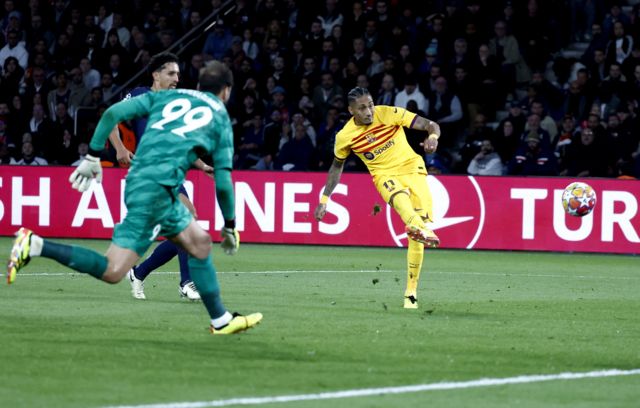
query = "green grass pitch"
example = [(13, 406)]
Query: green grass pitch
[(333, 320)]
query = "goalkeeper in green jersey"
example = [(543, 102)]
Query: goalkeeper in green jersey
[(183, 125)]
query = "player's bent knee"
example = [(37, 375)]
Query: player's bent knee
[(111, 277), (203, 249), (115, 273)]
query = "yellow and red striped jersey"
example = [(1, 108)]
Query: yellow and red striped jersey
[(382, 145)]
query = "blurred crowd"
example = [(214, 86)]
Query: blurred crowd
[(496, 76)]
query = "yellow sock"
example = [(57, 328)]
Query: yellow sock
[(415, 254), (402, 204)]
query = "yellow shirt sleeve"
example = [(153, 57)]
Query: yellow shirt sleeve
[(342, 148), (393, 115)]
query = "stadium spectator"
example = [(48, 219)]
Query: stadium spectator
[(615, 15), (566, 134), (533, 158), (80, 94), (598, 42), (614, 89), (576, 101), (83, 150), (597, 66), (249, 46), (67, 150), (12, 76), (546, 121), (28, 156), (620, 142), (460, 55), (273, 139), (585, 157), (90, 76), (486, 75), (330, 17), (487, 162), (14, 48), (218, 42), (387, 93), (248, 150), (298, 153), (411, 92), (323, 94), (506, 140), (444, 107), (5, 154), (473, 139), (506, 49)]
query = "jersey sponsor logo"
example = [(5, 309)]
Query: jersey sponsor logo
[(458, 211), (384, 147), (369, 155)]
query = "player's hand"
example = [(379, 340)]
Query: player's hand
[(208, 170), (430, 144), (320, 211), (88, 169), (124, 157), (230, 240)]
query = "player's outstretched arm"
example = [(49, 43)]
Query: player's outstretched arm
[(123, 155), (335, 171), (430, 143)]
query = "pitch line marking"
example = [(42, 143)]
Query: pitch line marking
[(277, 272), (369, 392)]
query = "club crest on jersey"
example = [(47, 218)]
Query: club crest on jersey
[(371, 138)]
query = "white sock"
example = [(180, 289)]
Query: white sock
[(36, 245), (222, 320)]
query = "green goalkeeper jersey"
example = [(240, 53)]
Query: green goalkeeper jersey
[(182, 126)]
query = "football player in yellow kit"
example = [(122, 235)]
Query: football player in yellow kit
[(376, 135)]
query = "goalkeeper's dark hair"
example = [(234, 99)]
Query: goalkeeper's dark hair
[(356, 93), (158, 61), (214, 76)]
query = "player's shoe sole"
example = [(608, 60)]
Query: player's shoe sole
[(410, 302), (238, 324), (423, 235), (19, 256)]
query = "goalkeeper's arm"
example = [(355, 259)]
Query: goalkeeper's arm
[(224, 193)]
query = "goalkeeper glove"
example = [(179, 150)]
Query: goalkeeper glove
[(88, 169), (230, 240)]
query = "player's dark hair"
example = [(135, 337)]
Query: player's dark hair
[(157, 62), (214, 76), (356, 93)]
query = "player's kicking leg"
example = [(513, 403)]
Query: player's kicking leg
[(423, 235), (110, 268)]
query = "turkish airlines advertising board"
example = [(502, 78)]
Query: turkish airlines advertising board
[(503, 213)]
